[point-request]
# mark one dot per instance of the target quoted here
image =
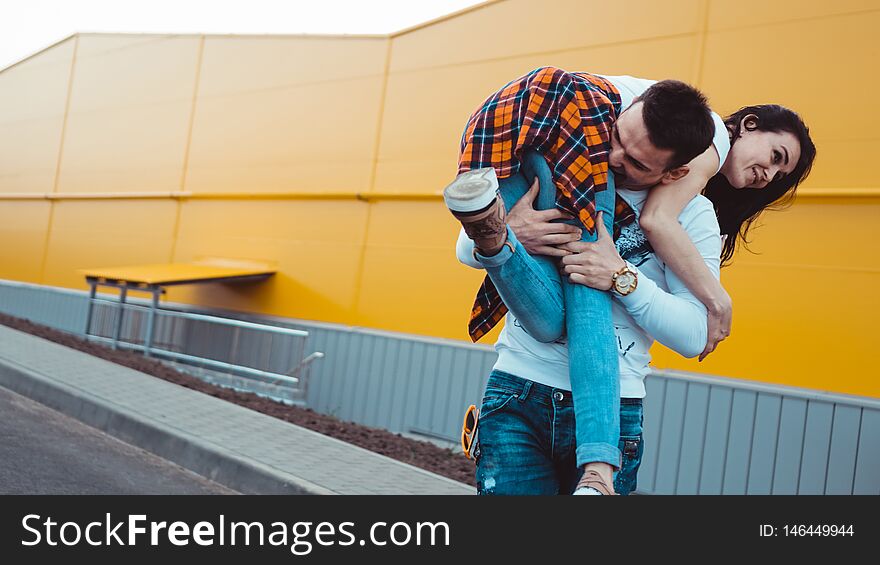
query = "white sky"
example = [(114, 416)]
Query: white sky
[(29, 26)]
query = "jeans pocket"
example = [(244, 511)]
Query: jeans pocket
[(494, 401)]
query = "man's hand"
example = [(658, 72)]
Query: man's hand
[(534, 229), (593, 264), (720, 318)]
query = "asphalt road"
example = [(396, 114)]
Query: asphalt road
[(46, 452)]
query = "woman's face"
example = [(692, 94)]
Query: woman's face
[(758, 156)]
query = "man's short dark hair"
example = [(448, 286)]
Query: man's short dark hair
[(678, 118)]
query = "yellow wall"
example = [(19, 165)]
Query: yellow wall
[(324, 157)]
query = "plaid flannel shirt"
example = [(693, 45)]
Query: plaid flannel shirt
[(565, 116)]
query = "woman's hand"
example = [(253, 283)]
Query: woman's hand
[(720, 319), (534, 229)]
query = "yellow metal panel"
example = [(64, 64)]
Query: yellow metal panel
[(106, 232), (422, 122), (29, 155), (281, 114), (812, 338), (828, 233), (419, 149), (805, 308), (315, 246), (832, 87), (33, 95), (842, 164), (726, 14), (129, 114), (672, 57), (309, 138), (125, 150), (522, 27), (233, 65), (165, 273), (827, 82), (133, 71), (412, 281), (22, 236)]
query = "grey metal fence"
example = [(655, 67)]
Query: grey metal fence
[(256, 357)]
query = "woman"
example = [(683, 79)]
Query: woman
[(758, 133), (770, 152)]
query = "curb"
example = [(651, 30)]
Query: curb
[(191, 452)]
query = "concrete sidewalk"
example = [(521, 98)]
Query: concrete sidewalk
[(242, 449)]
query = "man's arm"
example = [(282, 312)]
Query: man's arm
[(676, 318)]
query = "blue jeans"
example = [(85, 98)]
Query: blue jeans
[(526, 443), (549, 306)]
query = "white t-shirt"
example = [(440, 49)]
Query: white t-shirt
[(660, 308)]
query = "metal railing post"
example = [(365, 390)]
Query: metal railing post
[(123, 291), (151, 317), (92, 289)]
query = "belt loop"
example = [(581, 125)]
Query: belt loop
[(526, 389)]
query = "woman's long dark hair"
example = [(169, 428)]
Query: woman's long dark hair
[(737, 209)]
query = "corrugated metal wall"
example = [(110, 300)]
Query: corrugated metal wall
[(708, 435), (703, 435)]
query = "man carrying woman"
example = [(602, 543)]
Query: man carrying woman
[(565, 129)]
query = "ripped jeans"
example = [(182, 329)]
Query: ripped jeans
[(526, 442)]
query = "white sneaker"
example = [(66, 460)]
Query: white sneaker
[(471, 191), (474, 201)]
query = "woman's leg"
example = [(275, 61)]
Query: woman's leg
[(593, 361), (530, 286), (548, 306)]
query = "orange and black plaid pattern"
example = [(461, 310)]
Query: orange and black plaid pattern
[(489, 308), (565, 116)]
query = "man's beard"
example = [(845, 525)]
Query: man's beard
[(619, 178)]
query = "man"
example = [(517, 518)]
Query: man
[(526, 444), (576, 149)]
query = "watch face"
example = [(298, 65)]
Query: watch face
[(624, 281)]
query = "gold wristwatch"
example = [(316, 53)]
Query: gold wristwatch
[(624, 281)]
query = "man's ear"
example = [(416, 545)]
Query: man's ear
[(673, 175)]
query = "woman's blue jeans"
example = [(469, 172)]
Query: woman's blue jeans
[(549, 307)]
